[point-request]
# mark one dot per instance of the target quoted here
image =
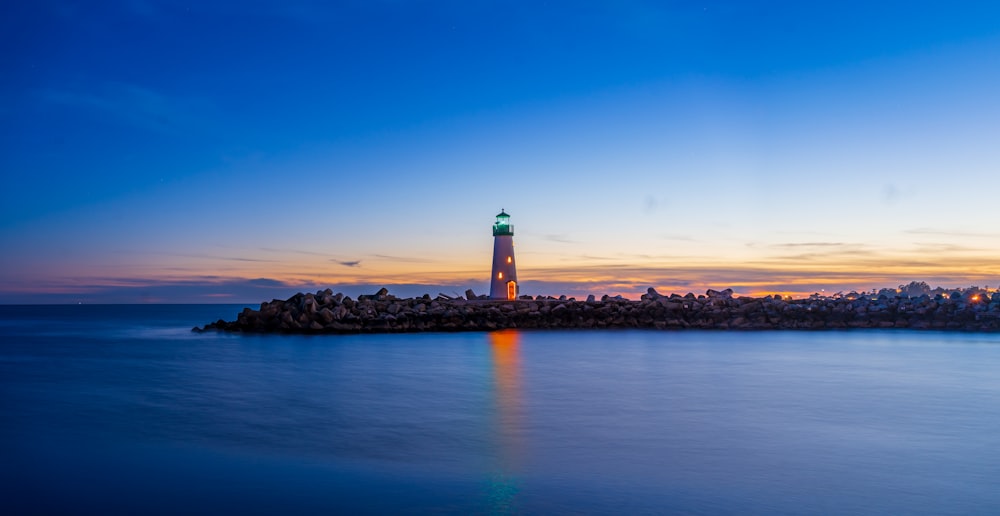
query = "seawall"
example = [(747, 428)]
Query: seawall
[(327, 313)]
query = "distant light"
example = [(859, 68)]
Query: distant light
[(975, 298)]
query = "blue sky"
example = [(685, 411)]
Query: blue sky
[(234, 151)]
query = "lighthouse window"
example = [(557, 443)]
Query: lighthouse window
[(500, 275), (509, 259)]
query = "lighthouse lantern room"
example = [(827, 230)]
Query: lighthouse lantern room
[(503, 282)]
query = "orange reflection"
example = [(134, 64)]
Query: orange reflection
[(504, 345), (507, 379)]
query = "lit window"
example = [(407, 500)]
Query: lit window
[(500, 275), (509, 259)]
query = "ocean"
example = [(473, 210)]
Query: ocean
[(123, 410)]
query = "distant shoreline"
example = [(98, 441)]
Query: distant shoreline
[(327, 313)]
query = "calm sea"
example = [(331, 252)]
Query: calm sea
[(122, 410)]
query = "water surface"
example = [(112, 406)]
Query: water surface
[(124, 410)]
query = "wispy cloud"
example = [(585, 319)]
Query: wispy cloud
[(650, 204), (217, 257), (891, 193), (204, 290), (293, 251), (810, 244), (305, 12), (129, 104), (266, 282), (827, 252), (348, 263), (144, 8), (404, 259), (301, 11), (682, 238), (951, 233), (647, 257), (937, 247), (559, 238), (791, 277), (224, 258), (599, 278)]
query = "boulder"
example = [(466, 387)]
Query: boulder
[(725, 294), (325, 312)]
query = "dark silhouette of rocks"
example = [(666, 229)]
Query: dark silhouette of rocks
[(326, 312)]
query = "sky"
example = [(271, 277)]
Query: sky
[(233, 152)]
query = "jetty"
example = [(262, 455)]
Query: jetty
[(328, 313)]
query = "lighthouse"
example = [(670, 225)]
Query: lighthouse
[(503, 282)]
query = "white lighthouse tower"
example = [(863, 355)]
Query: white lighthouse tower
[(503, 282)]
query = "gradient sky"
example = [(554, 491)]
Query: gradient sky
[(169, 151)]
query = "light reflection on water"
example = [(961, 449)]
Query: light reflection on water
[(131, 413), (508, 423)]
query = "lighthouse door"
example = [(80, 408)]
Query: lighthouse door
[(511, 291)]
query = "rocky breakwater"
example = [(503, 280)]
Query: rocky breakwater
[(326, 312)]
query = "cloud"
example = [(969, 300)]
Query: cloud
[(129, 104), (143, 8), (294, 251), (266, 282), (828, 252), (306, 12), (683, 238), (890, 193), (935, 247), (404, 259), (215, 257), (650, 204), (240, 259), (249, 291), (799, 279), (648, 257), (206, 289), (351, 263), (950, 233), (560, 238), (811, 244)]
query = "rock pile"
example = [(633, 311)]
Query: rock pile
[(326, 312)]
